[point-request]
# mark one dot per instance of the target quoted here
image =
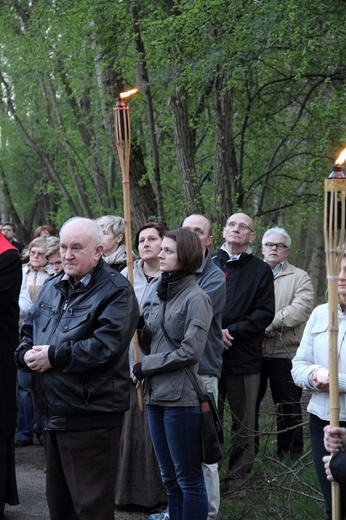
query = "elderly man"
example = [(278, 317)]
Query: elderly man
[(294, 299), (75, 341), (248, 310)]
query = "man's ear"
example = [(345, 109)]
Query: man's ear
[(252, 237), (210, 240), (99, 251)]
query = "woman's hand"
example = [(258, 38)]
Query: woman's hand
[(137, 374), (320, 379)]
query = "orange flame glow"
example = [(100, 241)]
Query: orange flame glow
[(129, 93), (342, 158)]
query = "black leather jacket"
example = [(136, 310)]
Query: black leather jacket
[(89, 329)]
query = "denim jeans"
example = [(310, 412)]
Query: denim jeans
[(29, 418), (318, 451), (175, 432)]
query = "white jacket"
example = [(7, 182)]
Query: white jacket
[(313, 353)]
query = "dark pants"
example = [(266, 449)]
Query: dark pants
[(286, 396), (241, 391), (176, 436), (29, 418), (80, 473), (318, 452)]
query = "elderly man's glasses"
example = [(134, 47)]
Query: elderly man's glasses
[(271, 245), (240, 225)]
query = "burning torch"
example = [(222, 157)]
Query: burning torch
[(123, 144), (334, 238)]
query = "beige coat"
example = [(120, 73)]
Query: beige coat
[(294, 296)]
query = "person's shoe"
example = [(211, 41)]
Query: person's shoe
[(22, 443), (159, 516)]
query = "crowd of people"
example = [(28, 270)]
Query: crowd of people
[(70, 325)]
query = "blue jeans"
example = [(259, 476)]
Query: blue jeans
[(29, 418), (318, 452), (175, 432)]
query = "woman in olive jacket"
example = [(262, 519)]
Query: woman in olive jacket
[(174, 338)]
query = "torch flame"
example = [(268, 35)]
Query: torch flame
[(129, 93), (342, 158)]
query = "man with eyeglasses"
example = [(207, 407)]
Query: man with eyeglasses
[(249, 309), (294, 299)]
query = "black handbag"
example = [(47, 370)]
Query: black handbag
[(211, 426)]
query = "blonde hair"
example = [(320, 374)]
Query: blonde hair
[(114, 223), (53, 246)]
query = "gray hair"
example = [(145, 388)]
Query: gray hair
[(279, 231), (114, 223), (90, 227), (39, 242)]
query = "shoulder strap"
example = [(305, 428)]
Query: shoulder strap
[(191, 375)]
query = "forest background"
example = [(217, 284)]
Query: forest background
[(241, 106)]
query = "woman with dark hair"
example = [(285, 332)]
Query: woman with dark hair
[(138, 480), (174, 338)]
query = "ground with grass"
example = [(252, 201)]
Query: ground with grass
[(276, 490)]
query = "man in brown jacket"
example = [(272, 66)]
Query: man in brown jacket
[(294, 298)]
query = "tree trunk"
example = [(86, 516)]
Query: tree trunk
[(225, 163), (184, 147), (143, 207), (144, 83)]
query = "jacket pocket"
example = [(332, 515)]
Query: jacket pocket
[(43, 315), (75, 319), (319, 328), (167, 386), (175, 326)]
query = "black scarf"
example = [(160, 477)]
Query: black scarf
[(167, 278)]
